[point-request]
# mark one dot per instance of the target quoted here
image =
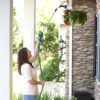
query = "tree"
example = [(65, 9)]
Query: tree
[(49, 51), (49, 48), (17, 35)]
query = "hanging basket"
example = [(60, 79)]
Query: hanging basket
[(74, 16)]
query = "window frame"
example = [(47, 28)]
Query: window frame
[(98, 48)]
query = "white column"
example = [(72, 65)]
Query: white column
[(6, 49), (29, 24)]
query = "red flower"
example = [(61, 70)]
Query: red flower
[(82, 15), (67, 11), (65, 21)]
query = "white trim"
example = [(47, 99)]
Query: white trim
[(98, 42), (97, 81), (70, 55), (11, 52), (70, 62), (34, 22), (98, 12)]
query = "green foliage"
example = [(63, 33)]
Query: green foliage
[(44, 10), (14, 63), (48, 96), (15, 69), (49, 45), (17, 96), (74, 16), (51, 70), (17, 42), (49, 48), (17, 35), (45, 96), (59, 98), (73, 98)]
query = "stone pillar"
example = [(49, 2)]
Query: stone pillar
[(6, 49), (83, 48), (29, 24)]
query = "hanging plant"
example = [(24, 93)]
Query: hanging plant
[(73, 16)]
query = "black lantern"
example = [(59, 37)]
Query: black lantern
[(62, 43)]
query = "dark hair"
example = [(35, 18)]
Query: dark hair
[(22, 58)]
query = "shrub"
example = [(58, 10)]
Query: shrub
[(17, 96), (73, 98), (45, 96), (51, 70), (59, 98)]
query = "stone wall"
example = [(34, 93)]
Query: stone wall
[(83, 48), (97, 84)]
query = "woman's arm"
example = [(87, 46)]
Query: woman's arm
[(32, 59), (36, 82)]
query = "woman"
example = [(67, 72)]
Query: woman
[(29, 73)]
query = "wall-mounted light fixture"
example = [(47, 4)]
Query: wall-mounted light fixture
[(62, 43)]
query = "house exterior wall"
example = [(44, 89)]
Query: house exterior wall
[(83, 48), (97, 84)]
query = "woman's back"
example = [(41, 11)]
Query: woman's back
[(29, 73)]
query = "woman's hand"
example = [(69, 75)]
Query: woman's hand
[(40, 37), (33, 58), (42, 82), (36, 82)]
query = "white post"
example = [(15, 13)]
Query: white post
[(6, 49), (29, 24)]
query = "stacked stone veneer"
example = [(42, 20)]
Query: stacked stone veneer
[(83, 48), (97, 84)]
